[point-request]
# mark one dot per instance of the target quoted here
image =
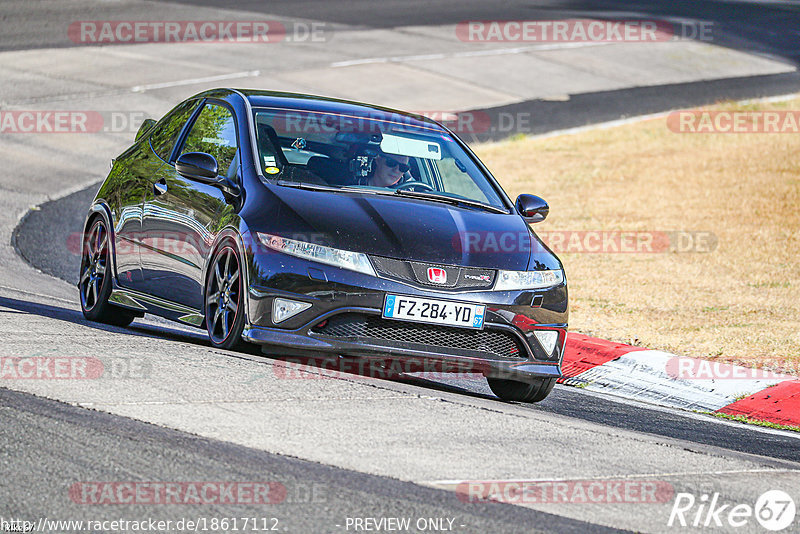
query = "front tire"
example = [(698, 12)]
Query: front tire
[(224, 301), (95, 278), (513, 390)]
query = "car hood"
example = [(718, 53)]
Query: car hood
[(403, 228)]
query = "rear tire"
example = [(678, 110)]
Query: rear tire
[(513, 390), (95, 278)]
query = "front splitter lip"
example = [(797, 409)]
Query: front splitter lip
[(300, 341)]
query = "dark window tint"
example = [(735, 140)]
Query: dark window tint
[(214, 132), (166, 132)]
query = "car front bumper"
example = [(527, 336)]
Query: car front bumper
[(345, 319)]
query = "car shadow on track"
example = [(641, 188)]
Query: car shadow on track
[(411, 371), (344, 368), (17, 306)]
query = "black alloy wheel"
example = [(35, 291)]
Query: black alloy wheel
[(224, 308), (95, 279)]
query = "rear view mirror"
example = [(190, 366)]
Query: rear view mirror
[(532, 208), (146, 125), (407, 146)]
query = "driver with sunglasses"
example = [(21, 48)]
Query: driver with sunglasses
[(387, 170)]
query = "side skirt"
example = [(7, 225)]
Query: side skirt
[(133, 300)]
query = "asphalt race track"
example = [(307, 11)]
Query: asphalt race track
[(156, 453), (55, 221), (758, 26), (174, 410)]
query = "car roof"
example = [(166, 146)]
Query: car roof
[(297, 101)]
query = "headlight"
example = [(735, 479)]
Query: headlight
[(510, 280), (355, 261)]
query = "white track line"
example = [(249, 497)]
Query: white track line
[(125, 90), (475, 53), (619, 477), (193, 81)]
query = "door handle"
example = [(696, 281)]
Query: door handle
[(160, 187)]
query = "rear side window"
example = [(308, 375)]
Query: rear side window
[(214, 132), (166, 132)]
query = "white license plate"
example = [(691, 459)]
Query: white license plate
[(432, 311)]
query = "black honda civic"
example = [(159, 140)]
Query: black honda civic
[(315, 226)]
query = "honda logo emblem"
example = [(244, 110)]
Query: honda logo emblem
[(437, 275)]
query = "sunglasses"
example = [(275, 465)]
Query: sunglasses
[(392, 163)]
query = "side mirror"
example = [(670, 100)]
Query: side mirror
[(198, 166), (532, 208), (146, 125), (204, 168)]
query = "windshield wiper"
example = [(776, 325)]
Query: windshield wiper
[(316, 187), (335, 189), (450, 200), (305, 185)]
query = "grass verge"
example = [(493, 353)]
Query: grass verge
[(750, 421), (734, 300)]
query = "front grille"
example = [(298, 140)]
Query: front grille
[(417, 273), (370, 328)]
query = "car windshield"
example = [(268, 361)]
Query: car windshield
[(375, 154)]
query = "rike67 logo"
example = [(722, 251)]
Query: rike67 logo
[(774, 510)]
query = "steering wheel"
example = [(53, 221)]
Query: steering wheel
[(413, 184)]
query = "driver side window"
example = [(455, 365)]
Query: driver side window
[(214, 132), (166, 132)]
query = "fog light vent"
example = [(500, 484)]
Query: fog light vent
[(547, 338), (283, 309)]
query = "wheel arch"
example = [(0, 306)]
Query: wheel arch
[(230, 233)]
